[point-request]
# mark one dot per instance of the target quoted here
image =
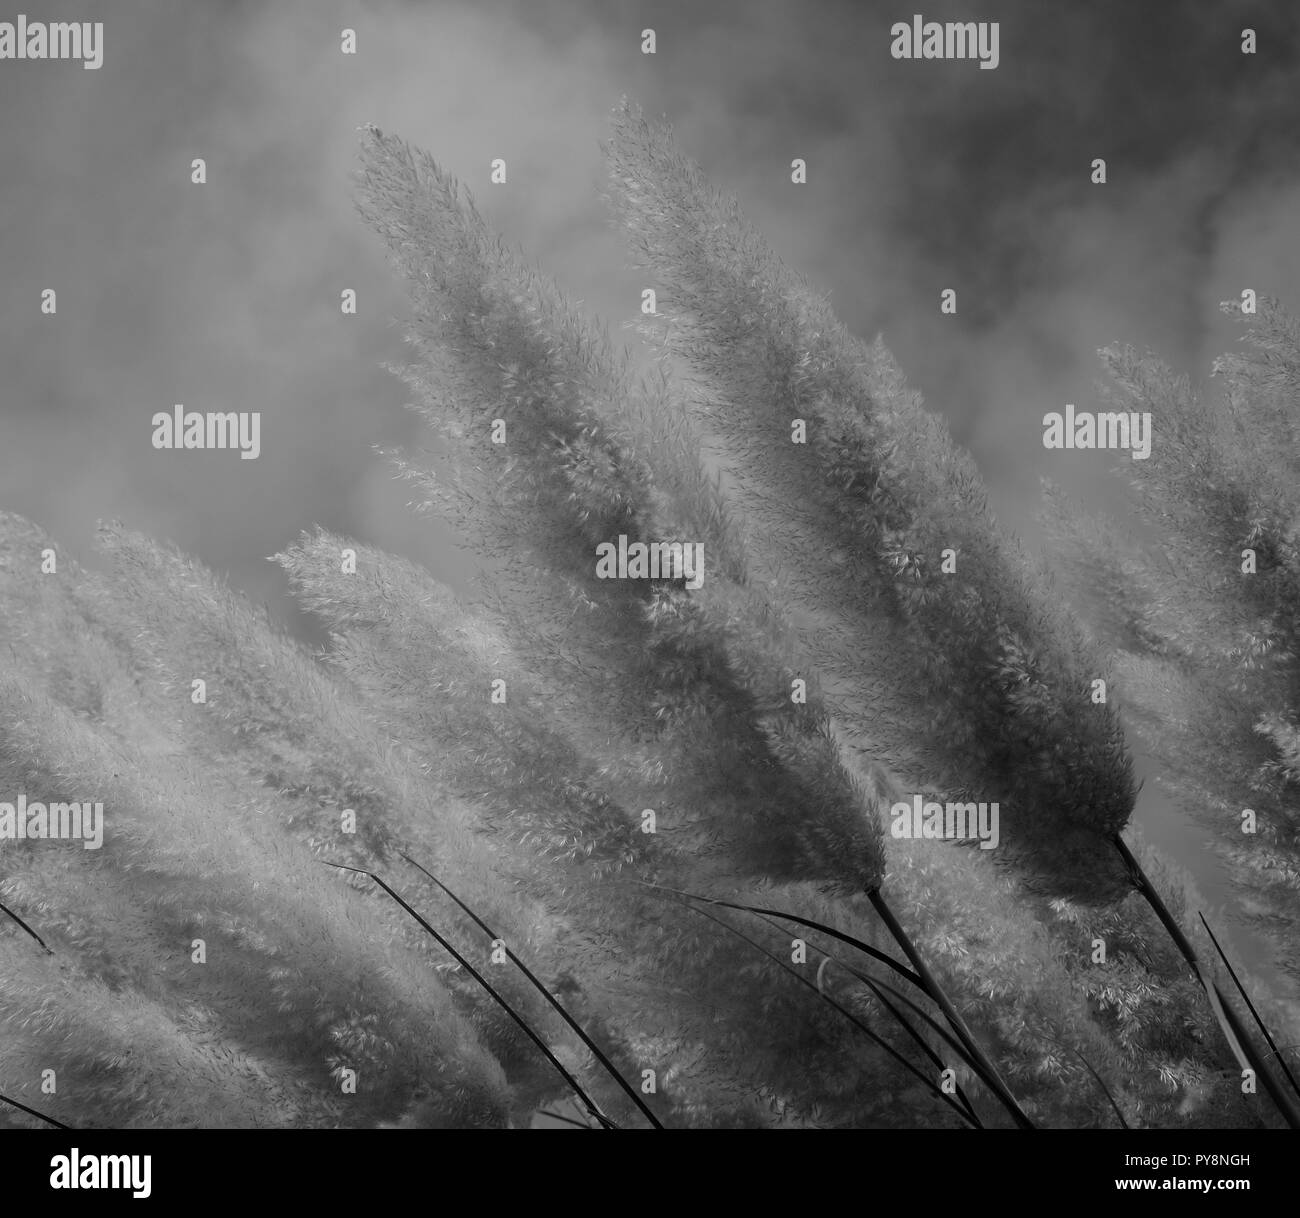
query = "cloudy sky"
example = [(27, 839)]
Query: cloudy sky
[(923, 176)]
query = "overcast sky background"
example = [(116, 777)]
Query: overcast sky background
[(922, 176)]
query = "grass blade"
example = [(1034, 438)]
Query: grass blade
[(878, 988), (950, 1012), (1243, 1048), (875, 954), (1100, 1083), (32, 1112), (587, 1101), (925, 1045), (1259, 1022), (883, 1044), (555, 1116), (28, 929), (545, 993)]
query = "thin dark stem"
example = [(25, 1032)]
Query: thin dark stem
[(1279, 1097), (935, 990), (1243, 1047), (878, 989), (1241, 989), (1102, 1084), (588, 1102), (555, 1116), (862, 1027), (32, 1112), (927, 1049), (888, 961), (28, 929), (938, 1028), (1153, 898), (550, 998)]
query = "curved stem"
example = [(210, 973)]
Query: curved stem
[(958, 1024)]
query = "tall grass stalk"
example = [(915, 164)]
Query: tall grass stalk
[(491, 991), (550, 998)]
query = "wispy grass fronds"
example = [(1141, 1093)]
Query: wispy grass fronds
[(1206, 605), (962, 1111), (1002, 674), (565, 750), (879, 989), (496, 344), (596, 1051), (297, 975), (303, 736), (489, 989), (425, 664), (1243, 1047)]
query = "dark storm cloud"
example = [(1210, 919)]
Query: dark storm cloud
[(923, 175)]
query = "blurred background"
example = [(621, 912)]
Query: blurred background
[(922, 176)]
